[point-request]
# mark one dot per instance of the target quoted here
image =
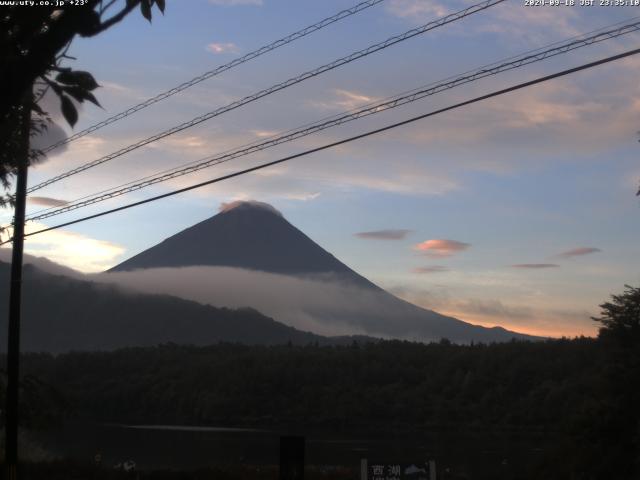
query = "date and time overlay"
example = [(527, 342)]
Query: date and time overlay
[(581, 3)]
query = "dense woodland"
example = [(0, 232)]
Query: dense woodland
[(409, 385), (582, 395), (563, 389)]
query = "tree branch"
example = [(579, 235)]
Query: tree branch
[(115, 19), (106, 7)]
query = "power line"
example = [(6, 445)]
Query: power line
[(218, 70), (370, 109), (277, 87), (599, 34), (346, 140)]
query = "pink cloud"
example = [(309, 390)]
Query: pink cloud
[(430, 269), (46, 201), (219, 48), (577, 252), (535, 265), (439, 248)]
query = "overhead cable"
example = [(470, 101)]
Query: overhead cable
[(341, 142), (218, 70), (370, 109), (275, 88)]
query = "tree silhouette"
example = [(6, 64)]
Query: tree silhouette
[(620, 318), (33, 43), (619, 432)]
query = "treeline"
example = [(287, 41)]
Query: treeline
[(576, 394), (547, 385)]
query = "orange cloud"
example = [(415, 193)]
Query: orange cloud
[(439, 248)]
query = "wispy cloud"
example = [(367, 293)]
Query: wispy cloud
[(188, 141), (343, 100), (227, 207), (519, 314), (563, 115), (417, 10), (440, 248), (264, 133), (301, 196), (535, 266), (326, 305), (350, 100), (384, 234), (578, 252), (538, 23), (122, 91), (72, 249), (431, 269), (219, 48), (47, 201), (528, 24), (493, 308), (197, 145)]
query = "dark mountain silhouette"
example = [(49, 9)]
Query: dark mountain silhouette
[(62, 314), (250, 235), (255, 236)]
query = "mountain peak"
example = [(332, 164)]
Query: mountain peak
[(249, 235), (248, 205), (254, 236)]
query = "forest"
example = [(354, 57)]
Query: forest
[(581, 395)]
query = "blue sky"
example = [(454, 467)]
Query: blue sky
[(520, 179)]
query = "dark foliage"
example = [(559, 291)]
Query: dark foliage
[(547, 386), (33, 42), (72, 471), (619, 417), (557, 390)]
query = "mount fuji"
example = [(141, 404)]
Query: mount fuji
[(249, 255)]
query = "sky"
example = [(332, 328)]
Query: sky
[(518, 211)]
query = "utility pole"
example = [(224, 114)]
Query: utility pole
[(15, 298)]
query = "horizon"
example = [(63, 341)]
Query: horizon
[(236, 286)]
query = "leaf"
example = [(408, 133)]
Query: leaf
[(68, 110), (145, 8), (89, 23), (89, 96), (161, 5), (65, 77), (56, 88), (76, 92), (78, 77), (80, 94)]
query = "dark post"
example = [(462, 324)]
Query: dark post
[(291, 458), (15, 297)]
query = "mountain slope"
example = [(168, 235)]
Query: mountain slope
[(254, 236), (250, 235), (62, 314)]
